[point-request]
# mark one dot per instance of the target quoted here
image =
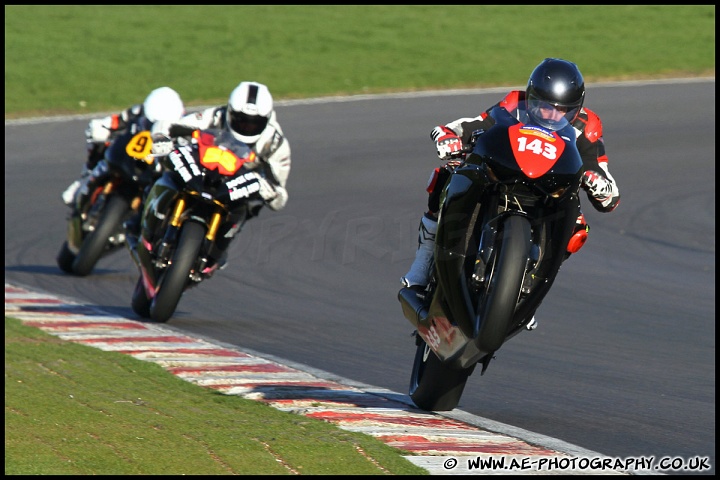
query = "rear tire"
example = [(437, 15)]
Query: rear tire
[(435, 386), (96, 241), (172, 285)]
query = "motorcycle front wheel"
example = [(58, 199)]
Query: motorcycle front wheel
[(65, 258), (173, 282), (140, 301), (435, 386), (504, 283), (95, 243)]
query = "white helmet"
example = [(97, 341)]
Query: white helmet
[(164, 104), (248, 111)]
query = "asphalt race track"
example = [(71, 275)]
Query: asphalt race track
[(623, 360)]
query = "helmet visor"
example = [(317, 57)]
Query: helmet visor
[(247, 125), (551, 115)]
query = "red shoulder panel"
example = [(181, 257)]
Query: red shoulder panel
[(593, 127), (511, 100)]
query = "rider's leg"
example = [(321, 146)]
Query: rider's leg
[(419, 273)]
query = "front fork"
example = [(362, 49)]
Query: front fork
[(83, 217), (481, 274), (162, 258)]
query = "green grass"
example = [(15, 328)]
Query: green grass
[(75, 59), (71, 409)]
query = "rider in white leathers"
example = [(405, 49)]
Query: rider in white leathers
[(249, 115), (161, 106)]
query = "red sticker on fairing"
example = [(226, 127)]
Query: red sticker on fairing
[(536, 150), (218, 157)]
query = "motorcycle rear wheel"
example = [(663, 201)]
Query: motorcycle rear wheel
[(95, 243), (172, 284), (435, 386)]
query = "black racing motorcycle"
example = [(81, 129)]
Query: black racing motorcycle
[(114, 194), (207, 183), (507, 214)]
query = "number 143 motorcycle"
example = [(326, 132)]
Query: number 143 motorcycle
[(506, 220)]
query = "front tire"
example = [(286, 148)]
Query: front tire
[(65, 259), (95, 242), (140, 301), (435, 386), (504, 284), (172, 285)]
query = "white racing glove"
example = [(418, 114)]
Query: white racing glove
[(162, 145), (267, 190), (275, 196), (162, 142), (98, 130), (447, 142), (280, 199), (596, 185)]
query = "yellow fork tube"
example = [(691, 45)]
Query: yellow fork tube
[(214, 221), (179, 209), (214, 224)]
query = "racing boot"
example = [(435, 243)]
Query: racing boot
[(579, 236), (68, 196), (419, 274), (215, 265)]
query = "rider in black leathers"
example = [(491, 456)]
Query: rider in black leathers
[(557, 82)]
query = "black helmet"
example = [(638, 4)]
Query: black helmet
[(559, 83)]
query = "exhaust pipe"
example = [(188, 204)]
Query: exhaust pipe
[(412, 306)]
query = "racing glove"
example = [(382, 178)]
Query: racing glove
[(98, 130), (448, 144), (267, 190), (162, 145), (275, 196), (596, 185), (253, 182)]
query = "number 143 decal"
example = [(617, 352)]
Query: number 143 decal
[(536, 150)]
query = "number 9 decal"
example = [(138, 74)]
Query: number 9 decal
[(140, 146)]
